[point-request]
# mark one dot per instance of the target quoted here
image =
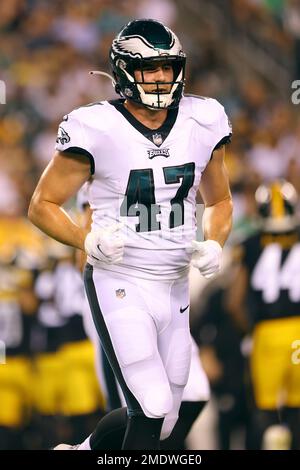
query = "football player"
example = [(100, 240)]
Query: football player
[(266, 290), (21, 251), (196, 392), (145, 154)]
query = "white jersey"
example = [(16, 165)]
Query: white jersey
[(145, 178)]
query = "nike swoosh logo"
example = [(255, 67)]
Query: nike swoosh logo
[(184, 309)]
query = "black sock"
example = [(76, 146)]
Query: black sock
[(142, 433), (118, 431), (188, 413), (110, 431)]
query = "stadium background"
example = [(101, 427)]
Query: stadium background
[(245, 53)]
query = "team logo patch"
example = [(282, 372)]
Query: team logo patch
[(158, 153), (62, 136), (157, 139), (120, 293)]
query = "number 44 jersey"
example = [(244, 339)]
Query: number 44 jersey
[(147, 179), (273, 265)]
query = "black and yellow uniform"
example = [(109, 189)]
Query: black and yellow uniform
[(82, 395), (20, 245), (273, 302), (15, 373), (48, 367), (65, 377)]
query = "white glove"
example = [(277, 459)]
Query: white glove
[(207, 257), (105, 244)]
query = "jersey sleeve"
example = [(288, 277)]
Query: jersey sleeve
[(71, 138), (222, 128), (211, 116)]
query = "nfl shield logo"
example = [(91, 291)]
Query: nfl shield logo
[(157, 139), (120, 293)]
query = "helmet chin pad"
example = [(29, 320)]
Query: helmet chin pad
[(157, 100)]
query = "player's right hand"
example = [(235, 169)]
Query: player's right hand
[(207, 257), (105, 244)]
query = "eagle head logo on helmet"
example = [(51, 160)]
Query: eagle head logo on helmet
[(139, 43)]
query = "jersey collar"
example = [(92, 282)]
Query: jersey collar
[(156, 136)]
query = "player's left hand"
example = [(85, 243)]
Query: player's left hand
[(207, 257)]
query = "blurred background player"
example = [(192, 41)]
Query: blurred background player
[(21, 252), (67, 400), (266, 292), (220, 338), (48, 386)]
